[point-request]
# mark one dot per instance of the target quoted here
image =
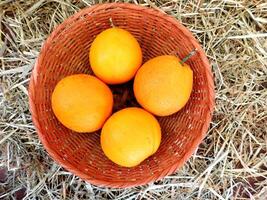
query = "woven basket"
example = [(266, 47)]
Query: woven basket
[(65, 52)]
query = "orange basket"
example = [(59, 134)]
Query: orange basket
[(65, 52)]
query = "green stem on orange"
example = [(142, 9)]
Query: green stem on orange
[(193, 52)]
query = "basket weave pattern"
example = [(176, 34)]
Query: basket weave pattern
[(65, 52)]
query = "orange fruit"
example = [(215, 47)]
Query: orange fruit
[(82, 102), (115, 56), (163, 85), (129, 136)]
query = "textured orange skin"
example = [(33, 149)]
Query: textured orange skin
[(163, 86), (82, 102), (115, 56), (130, 136)]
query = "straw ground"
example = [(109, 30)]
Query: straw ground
[(231, 163)]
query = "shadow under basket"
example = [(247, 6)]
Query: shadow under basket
[(65, 52)]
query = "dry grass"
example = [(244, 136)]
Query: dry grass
[(231, 162)]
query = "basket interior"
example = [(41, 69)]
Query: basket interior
[(66, 52)]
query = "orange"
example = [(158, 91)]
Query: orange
[(130, 136), (163, 85), (115, 56), (82, 102)]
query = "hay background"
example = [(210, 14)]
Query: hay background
[(231, 163)]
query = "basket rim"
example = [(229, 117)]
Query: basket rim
[(195, 143)]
